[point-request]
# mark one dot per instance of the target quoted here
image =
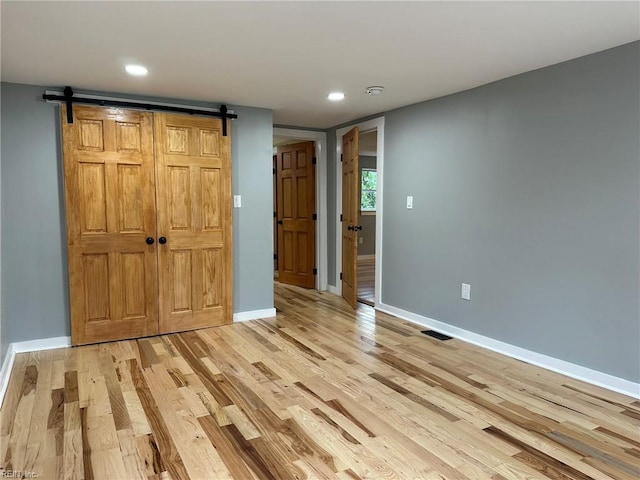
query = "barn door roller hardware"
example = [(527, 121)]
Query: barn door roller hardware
[(69, 100)]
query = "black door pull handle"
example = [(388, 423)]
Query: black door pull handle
[(149, 240), (162, 240)]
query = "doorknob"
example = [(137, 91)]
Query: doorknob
[(279, 222), (351, 227), (358, 228), (162, 240), (149, 240)]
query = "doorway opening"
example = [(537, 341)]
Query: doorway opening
[(368, 193), (300, 207), (359, 190)]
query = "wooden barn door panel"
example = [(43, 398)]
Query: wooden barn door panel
[(193, 167), (111, 211)]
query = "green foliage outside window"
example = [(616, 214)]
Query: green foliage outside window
[(368, 186)]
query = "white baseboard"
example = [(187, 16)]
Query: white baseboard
[(22, 347), (42, 344), (254, 315), (367, 257), (569, 369), (333, 290), (5, 373)]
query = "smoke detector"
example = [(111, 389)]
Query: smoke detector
[(375, 90)]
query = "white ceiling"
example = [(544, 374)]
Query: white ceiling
[(287, 56)]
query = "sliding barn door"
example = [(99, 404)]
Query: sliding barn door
[(350, 210), (296, 209), (111, 222), (193, 166)]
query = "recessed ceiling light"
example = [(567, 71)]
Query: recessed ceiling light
[(336, 96), (375, 90), (136, 70)]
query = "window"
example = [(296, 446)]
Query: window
[(368, 190)]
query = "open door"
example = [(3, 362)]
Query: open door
[(275, 214), (296, 214), (350, 209)]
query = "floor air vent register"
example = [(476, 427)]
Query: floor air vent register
[(436, 335)]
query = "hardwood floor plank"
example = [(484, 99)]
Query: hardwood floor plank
[(540, 461), (12, 397), (73, 457), (201, 371), (17, 443), (86, 446), (164, 442), (320, 391), (366, 280), (590, 451)]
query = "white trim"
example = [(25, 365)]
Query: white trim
[(42, 344), (3, 381), (367, 257), (378, 125), (254, 315), (332, 289), (322, 254), (563, 367), (5, 373), (23, 347)]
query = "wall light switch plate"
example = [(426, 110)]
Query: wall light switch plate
[(360, 240), (465, 291), (410, 202), (237, 201)]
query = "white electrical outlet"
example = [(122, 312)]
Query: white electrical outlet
[(237, 201), (410, 202), (465, 291), (360, 240)]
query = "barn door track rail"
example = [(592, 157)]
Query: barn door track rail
[(69, 100)]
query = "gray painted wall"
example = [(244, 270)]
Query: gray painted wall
[(252, 153), (529, 190), (34, 276), (3, 341), (367, 222)]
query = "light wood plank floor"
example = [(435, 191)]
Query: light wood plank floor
[(367, 280), (318, 392)]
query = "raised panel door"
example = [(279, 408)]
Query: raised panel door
[(193, 168), (350, 210), (111, 211)]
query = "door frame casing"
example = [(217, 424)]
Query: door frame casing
[(378, 125), (320, 139)]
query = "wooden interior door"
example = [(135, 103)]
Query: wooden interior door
[(275, 214), (350, 210), (111, 215), (193, 168), (296, 208)]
